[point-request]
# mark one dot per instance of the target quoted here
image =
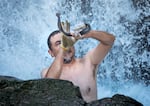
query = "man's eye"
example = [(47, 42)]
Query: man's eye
[(58, 42)]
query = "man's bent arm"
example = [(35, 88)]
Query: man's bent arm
[(106, 41), (54, 71)]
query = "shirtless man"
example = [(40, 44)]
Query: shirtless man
[(80, 71)]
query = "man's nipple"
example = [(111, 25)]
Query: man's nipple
[(88, 90)]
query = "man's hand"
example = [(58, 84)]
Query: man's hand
[(81, 30), (77, 36)]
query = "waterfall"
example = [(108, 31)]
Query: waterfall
[(25, 26)]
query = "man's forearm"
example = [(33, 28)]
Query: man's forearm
[(54, 70), (103, 37)]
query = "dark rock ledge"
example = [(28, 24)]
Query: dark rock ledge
[(50, 92)]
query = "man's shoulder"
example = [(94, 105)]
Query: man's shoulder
[(43, 73)]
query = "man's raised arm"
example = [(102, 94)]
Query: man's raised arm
[(106, 41)]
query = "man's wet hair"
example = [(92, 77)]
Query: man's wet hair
[(49, 38)]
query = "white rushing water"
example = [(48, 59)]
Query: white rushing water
[(25, 26)]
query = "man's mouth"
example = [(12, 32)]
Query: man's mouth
[(66, 61)]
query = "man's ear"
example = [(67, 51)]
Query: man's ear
[(51, 53)]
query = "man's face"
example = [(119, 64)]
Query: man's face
[(55, 44)]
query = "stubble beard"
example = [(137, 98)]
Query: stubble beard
[(68, 60)]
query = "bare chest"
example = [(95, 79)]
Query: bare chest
[(81, 75), (78, 74)]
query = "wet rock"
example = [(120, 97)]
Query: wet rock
[(51, 92), (116, 100)]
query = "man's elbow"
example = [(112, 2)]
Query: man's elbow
[(44, 73), (111, 40), (52, 76)]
